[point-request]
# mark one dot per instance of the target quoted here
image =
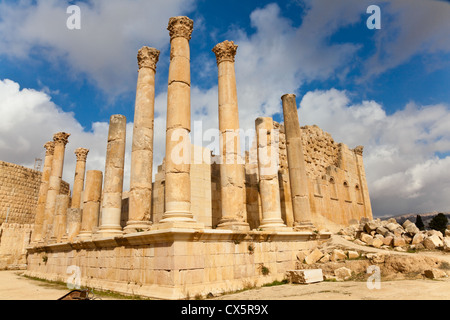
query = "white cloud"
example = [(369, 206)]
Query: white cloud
[(410, 28), (403, 172), (104, 49), (30, 119)]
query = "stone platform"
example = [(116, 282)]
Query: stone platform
[(174, 263)]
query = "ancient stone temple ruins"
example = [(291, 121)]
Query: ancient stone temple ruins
[(199, 228)]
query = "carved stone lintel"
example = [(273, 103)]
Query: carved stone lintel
[(50, 147), (81, 154), (148, 58), (180, 27), (359, 150), (61, 137), (225, 51)]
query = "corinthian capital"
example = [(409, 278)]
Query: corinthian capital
[(225, 51), (61, 137), (50, 147), (148, 58), (81, 154), (359, 150), (180, 27)]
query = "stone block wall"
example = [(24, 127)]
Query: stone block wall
[(19, 189), (174, 264), (14, 239)]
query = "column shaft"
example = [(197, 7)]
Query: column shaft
[(178, 146), (232, 170), (268, 163), (297, 170), (60, 220), (54, 185), (114, 170), (140, 201), (78, 184), (43, 189), (91, 206)]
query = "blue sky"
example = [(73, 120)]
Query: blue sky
[(386, 89)]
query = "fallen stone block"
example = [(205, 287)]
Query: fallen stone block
[(377, 243), (325, 258), (371, 226), (418, 238), (343, 273), (406, 223), (314, 256), (399, 242), (431, 233), (367, 238), (392, 226), (446, 244), (305, 276), (435, 274), (388, 240), (383, 231), (412, 229), (433, 242), (337, 255), (302, 255), (353, 254)]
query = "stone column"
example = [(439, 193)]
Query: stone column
[(54, 185), (178, 146), (296, 162), (232, 170), (43, 189), (73, 224), (91, 206), (60, 220), (113, 185), (78, 183), (140, 200), (268, 163)]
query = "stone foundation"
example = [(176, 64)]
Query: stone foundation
[(175, 263), (14, 239)]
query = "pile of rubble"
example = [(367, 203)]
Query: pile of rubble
[(389, 234)]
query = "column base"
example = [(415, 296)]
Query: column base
[(137, 226), (273, 226), (178, 225), (65, 238), (234, 225), (108, 232), (304, 226), (84, 236)]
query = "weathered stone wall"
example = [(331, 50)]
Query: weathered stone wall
[(337, 185), (320, 151), (14, 238), (176, 264), (19, 189)]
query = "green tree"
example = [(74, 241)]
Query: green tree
[(419, 223), (439, 223)]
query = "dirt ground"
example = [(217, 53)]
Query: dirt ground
[(350, 290), (13, 286)]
